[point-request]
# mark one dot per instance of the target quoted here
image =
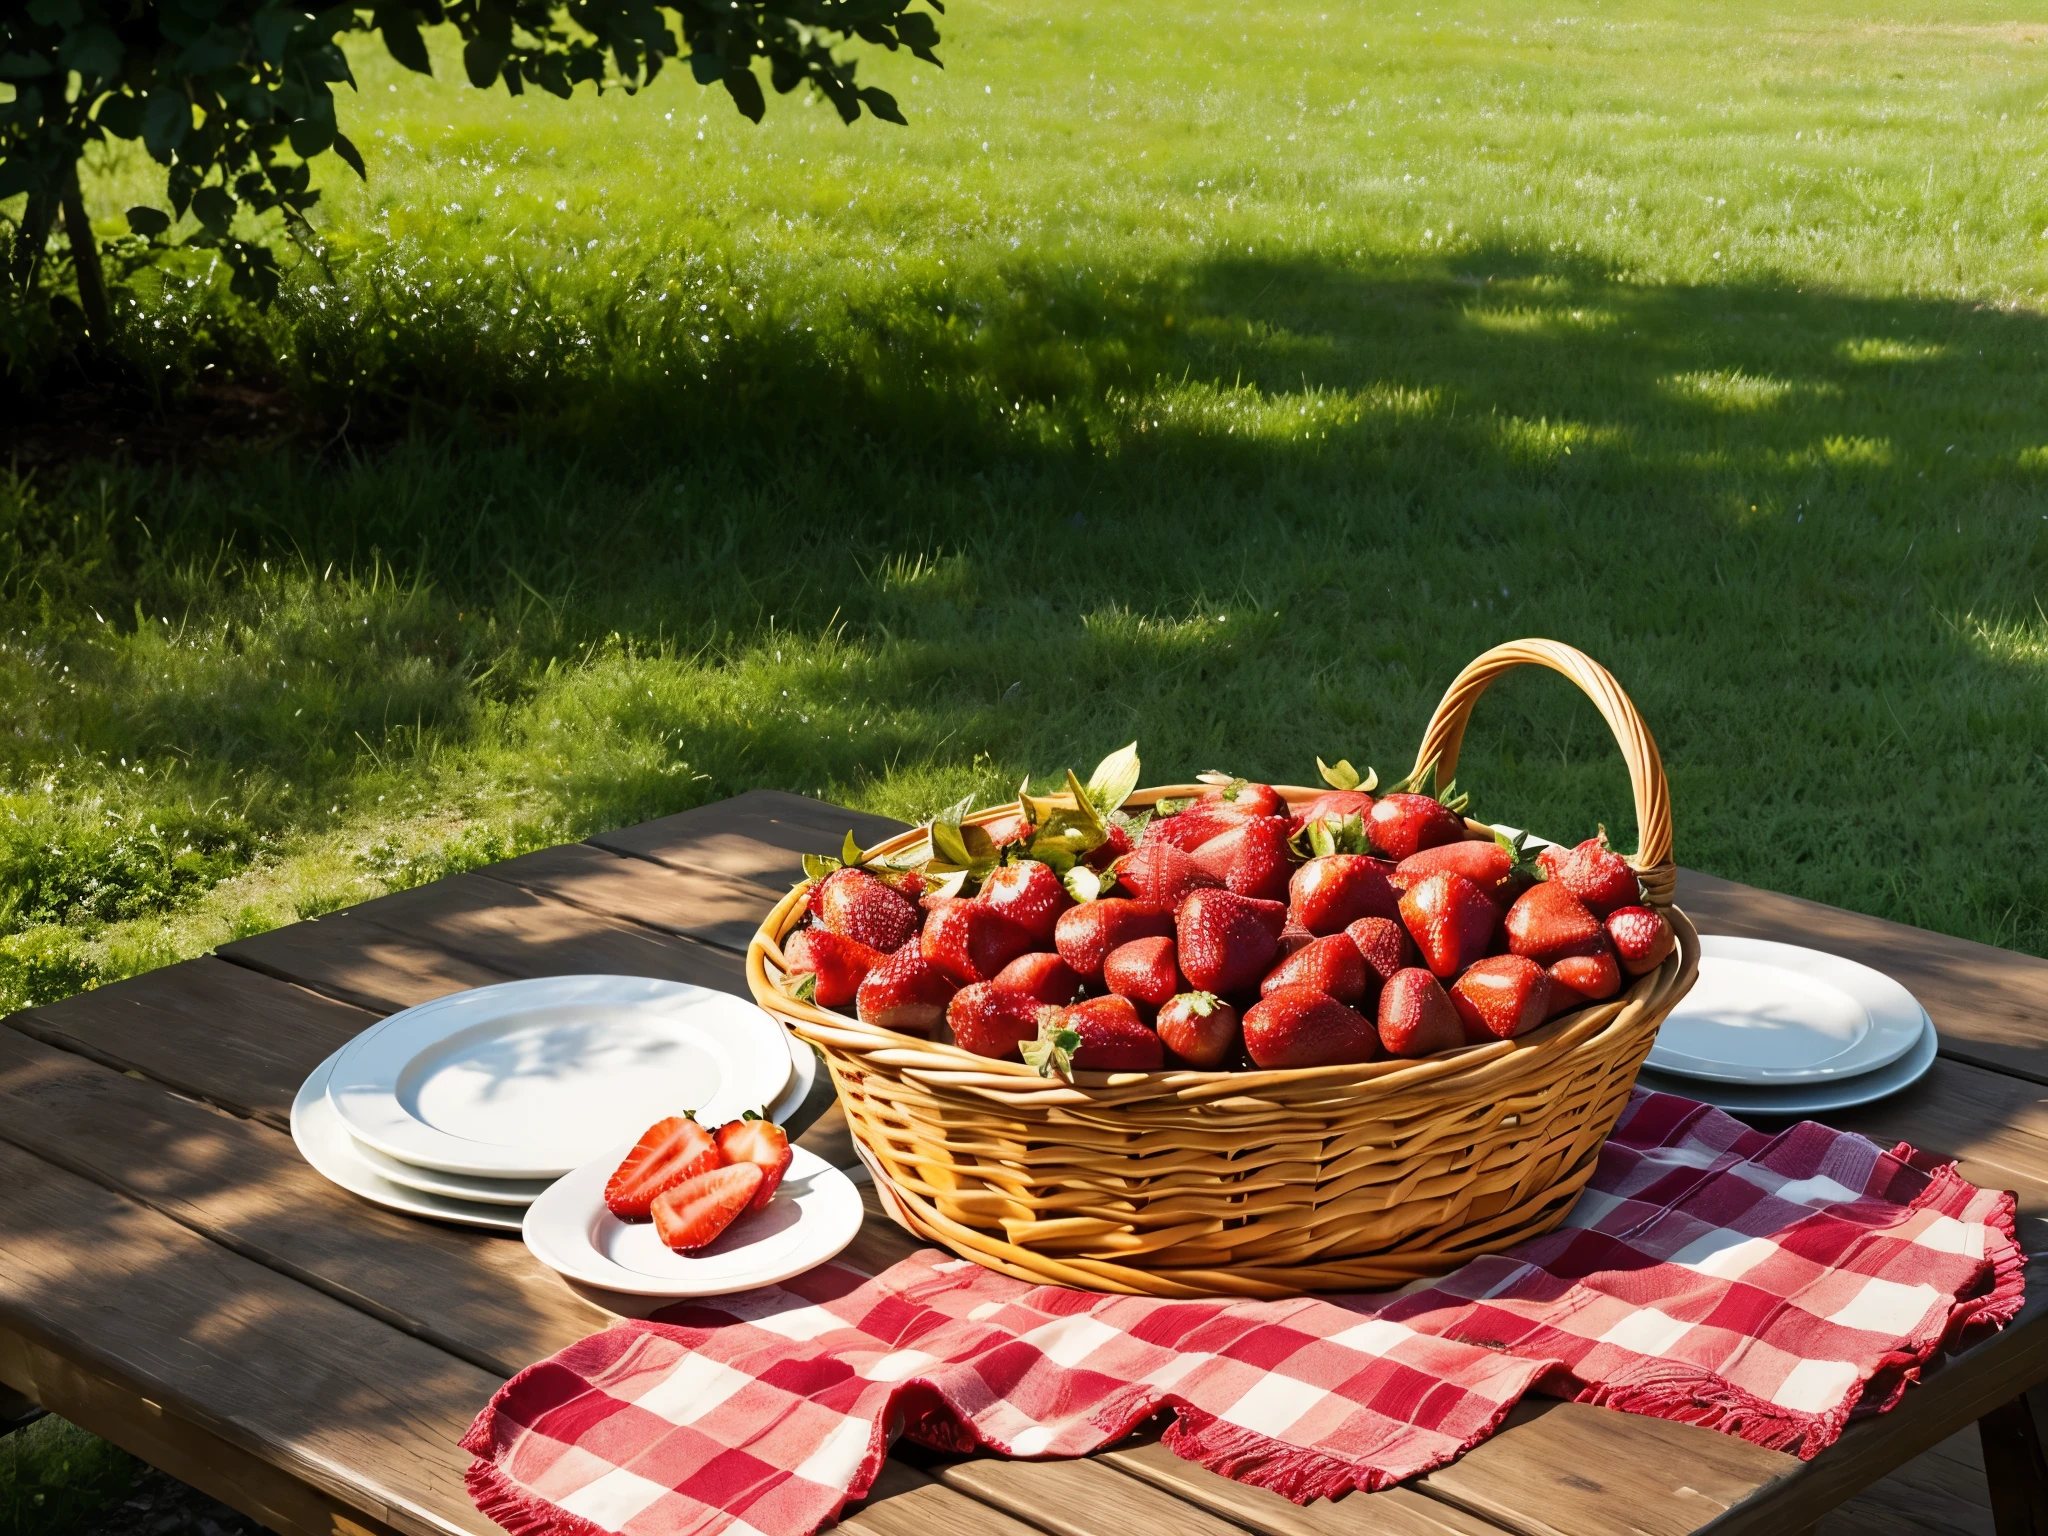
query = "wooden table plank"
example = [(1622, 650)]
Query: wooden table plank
[(220, 1032), (760, 836), (710, 908), (171, 1322), (1990, 1005), (361, 964)]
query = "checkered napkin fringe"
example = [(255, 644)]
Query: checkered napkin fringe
[(1765, 1286)]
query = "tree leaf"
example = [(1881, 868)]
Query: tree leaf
[(745, 91), (402, 39), (215, 208), (348, 152), (1110, 785), (883, 105), (165, 122), (148, 222), (485, 54)]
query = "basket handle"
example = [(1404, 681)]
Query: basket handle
[(1446, 733)]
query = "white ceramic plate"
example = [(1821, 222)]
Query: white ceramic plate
[(325, 1143), (814, 1214), (1766, 1013), (529, 1079), (1805, 1098)]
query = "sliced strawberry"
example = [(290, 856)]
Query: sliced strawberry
[(694, 1213), (751, 1139), (674, 1150)]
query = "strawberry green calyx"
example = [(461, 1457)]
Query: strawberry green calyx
[(818, 865), (1344, 776), (1203, 1003), (959, 847), (1086, 884), (1423, 782), (803, 986), (1172, 806), (1522, 860), (1052, 1052), (1318, 840)]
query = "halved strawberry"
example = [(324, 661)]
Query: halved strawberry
[(670, 1152), (694, 1213), (751, 1139)]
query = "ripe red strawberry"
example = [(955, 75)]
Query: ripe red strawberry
[(1415, 1015), (1160, 875), (751, 1139), (1104, 1034), (1495, 867), (1451, 920), (836, 965), (1226, 942), (1252, 859), (1403, 824), (1143, 970), (1337, 806), (1200, 1028), (1187, 830), (1384, 945), (1294, 937), (971, 941), (854, 903), (992, 1020), (1332, 965), (1547, 922), (1329, 894), (693, 1214), (1501, 997), (905, 992), (1578, 980), (1596, 874), (1301, 1027), (1641, 938), (1044, 975), (670, 1152), (1086, 934), (930, 901), (1116, 842), (1005, 830), (1029, 894), (1259, 799)]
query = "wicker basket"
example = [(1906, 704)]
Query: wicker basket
[(1258, 1183)]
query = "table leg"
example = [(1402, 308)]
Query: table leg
[(16, 1411), (2016, 1469)]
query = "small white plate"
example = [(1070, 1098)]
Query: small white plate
[(325, 1143), (1767, 1013), (1805, 1098), (529, 1079), (814, 1214)]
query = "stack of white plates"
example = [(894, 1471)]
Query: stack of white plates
[(468, 1108), (1775, 1029)]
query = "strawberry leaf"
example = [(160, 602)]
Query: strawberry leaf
[(1113, 780), (1053, 1052), (850, 854), (818, 865), (948, 883), (1344, 776)]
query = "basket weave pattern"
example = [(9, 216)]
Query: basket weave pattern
[(1257, 1183)]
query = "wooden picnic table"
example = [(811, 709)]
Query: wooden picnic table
[(175, 1278)]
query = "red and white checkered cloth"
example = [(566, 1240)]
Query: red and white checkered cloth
[(1766, 1286)]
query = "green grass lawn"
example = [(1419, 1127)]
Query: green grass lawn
[(1225, 384)]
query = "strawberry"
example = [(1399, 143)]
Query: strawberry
[(1252, 859), (1337, 806), (1198, 1027), (1160, 874), (1086, 934), (1116, 842), (1259, 799), (1383, 944), (1294, 937), (971, 941), (1501, 997), (827, 968), (751, 1139), (990, 1020), (1007, 829), (693, 1214), (1499, 868), (1416, 1017), (1143, 971), (1329, 894), (670, 1152), (1596, 874), (1641, 938), (905, 992), (930, 901), (1547, 922), (1104, 1034), (1044, 975), (1196, 825), (1029, 894), (854, 903), (1578, 980), (1226, 942), (1451, 920), (1301, 1027), (1403, 824), (1332, 965)]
